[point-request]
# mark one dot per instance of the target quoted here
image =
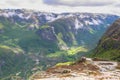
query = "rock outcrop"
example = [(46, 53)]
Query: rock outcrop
[(98, 70)]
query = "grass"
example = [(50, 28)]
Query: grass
[(1, 26), (56, 54), (43, 27), (74, 50), (60, 40), (7, 49), (74, 40), (91, 31), (109, 54), (68, 54), (64, 64)]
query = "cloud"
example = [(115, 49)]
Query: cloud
[(117, 5), (28, 4), (60, 6), (13, 3), (77, 3)]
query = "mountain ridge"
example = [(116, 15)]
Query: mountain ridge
[(109, 44), (41, 40)]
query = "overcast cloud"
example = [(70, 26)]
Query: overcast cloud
[(80, 2), (59, 6)]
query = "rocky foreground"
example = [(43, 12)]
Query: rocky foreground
[(85, 69)]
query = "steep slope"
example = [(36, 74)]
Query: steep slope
[(109, 45), (81, 30), (12, 62), (31, 40), (64, 30)]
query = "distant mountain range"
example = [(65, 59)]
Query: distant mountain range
[(31, 40), (66, 29)]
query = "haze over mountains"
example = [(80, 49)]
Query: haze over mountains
[(31, 40)]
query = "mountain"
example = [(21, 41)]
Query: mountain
[(109, 45), (32, 40), (64, 29), (100, 67)]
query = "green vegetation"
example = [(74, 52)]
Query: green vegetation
[(16, 46), (109, 45), (91, 31), (12, 63), (70, 52), (60, 40), (110, 54), (74, 42), (65, 63), (43, 27), (26, 48), (21, 46), (1, 26), (56, 54), (7, 49), (108, 49), (73, 50)]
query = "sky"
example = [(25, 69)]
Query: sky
[(60, 6)]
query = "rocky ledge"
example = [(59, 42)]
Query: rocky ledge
[(84, 69)]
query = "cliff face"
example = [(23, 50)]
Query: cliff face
[(109, 45)]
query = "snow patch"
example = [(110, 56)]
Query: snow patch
[(89, 23), (70, 15), (27, 17), (21, 15), (53, 30), (96, 22), (5, 15), (78, 25), (82, 16), (11, 14)]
